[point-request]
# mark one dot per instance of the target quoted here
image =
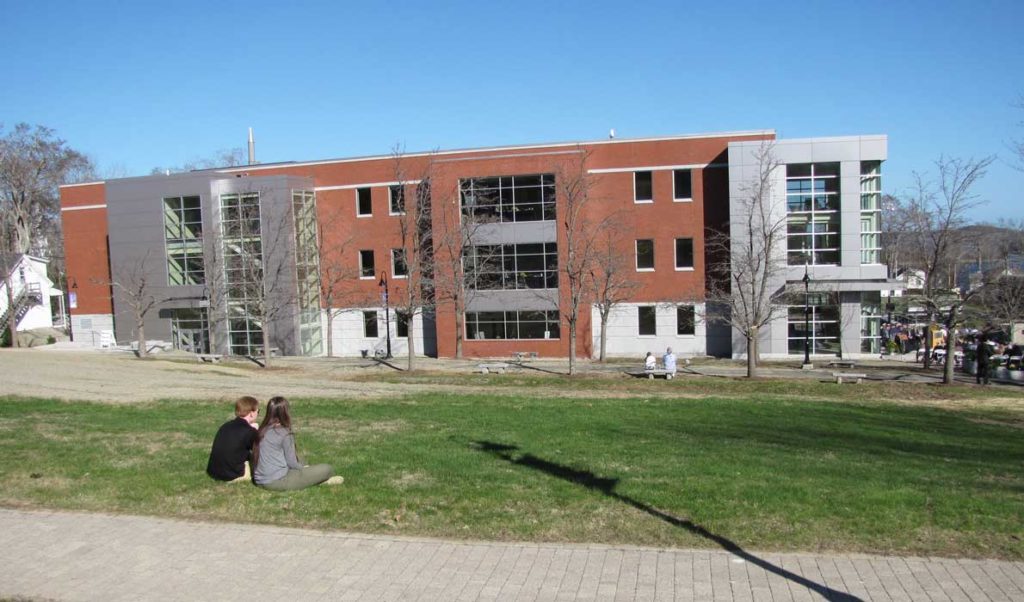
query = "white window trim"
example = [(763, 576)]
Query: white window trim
[(393, 274), (676, 199), (644, 201), (376, 313), (390, 203), (361, 277), (363, 215), (676, 262), (636, 255)]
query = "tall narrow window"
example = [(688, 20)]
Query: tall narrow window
[(401, 324), (396, 199), (370, 324), (643, 187), (682, 190), (364, 202), (870, 212), (685, 320), (812, 213), (648, 320), (645, 254), (399, 269), (366, 267), (684, 253), (183, 234)]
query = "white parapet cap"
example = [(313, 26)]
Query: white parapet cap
[(83, 184), (490, 149), (84, 207)]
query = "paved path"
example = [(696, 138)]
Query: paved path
[(72, 556)]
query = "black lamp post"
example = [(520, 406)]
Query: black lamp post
[(807, 317), (383, 284)]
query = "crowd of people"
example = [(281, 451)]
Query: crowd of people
[(244, 449)]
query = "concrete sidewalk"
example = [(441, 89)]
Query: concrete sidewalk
[(73, 556)]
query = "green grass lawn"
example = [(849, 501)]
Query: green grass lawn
[(766, 471)]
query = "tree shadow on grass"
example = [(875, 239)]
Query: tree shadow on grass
[(607, 486)]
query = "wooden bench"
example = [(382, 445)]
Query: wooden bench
[(842, 364), (212, 358), (650, 374), (839, 376), (498, 367)]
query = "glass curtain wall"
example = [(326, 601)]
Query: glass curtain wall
[(243, 272), (183, 237), (510, 198), (823, 321), (812, 213), (870, 212), (871, 322), (190, 330), (523, 324), (307, 272)]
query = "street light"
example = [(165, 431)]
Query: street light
[(807, 318), (383, 284)]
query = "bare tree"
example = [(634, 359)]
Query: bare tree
[(460, 263), (575, 191), (747, 266), (936, 214), (132, 282), (225, 157), (336, 272), (414, 257), (612, 274), (1017, 144), (258, 287), (33, 163), (1002, 301)]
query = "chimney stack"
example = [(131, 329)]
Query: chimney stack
[(252, 149)]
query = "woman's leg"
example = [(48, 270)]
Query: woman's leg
[(302, 478)]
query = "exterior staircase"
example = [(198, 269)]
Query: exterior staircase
[(25, 299)]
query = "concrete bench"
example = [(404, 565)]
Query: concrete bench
[(839, 376), (522, 356), (212, 358), (842, 364), (651, 374), (498, 367)]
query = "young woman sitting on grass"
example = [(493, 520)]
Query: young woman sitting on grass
[(278, 468)]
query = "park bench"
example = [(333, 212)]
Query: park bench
[(488, 367), (211, 358), (651, 374), (840, 376), (842, 364)]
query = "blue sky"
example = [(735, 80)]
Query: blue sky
[(140, 85)]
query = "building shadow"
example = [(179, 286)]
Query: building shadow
[(606, 486)]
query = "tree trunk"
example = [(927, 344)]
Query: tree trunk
[(928, 344), (604, 335), (12, 320), (752, 353), (947, 372), (572, 347), (330, 333), (411, 340), (266, 345), (460, 328), (143, 352)]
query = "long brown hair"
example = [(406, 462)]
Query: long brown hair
[(277, 414)]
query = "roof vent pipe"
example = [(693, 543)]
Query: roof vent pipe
[(252, 149)]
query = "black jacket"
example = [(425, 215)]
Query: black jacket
[(230, 450)]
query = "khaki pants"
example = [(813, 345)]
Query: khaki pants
[(301, 478)]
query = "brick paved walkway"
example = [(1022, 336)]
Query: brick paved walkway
[(71, 556)]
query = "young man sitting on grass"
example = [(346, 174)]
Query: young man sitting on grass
[(229, 457)]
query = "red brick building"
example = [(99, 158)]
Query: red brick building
[(661, 194)]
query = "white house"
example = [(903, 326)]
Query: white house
[(37, 303)]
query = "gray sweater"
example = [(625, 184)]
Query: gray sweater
[(277, 455)]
